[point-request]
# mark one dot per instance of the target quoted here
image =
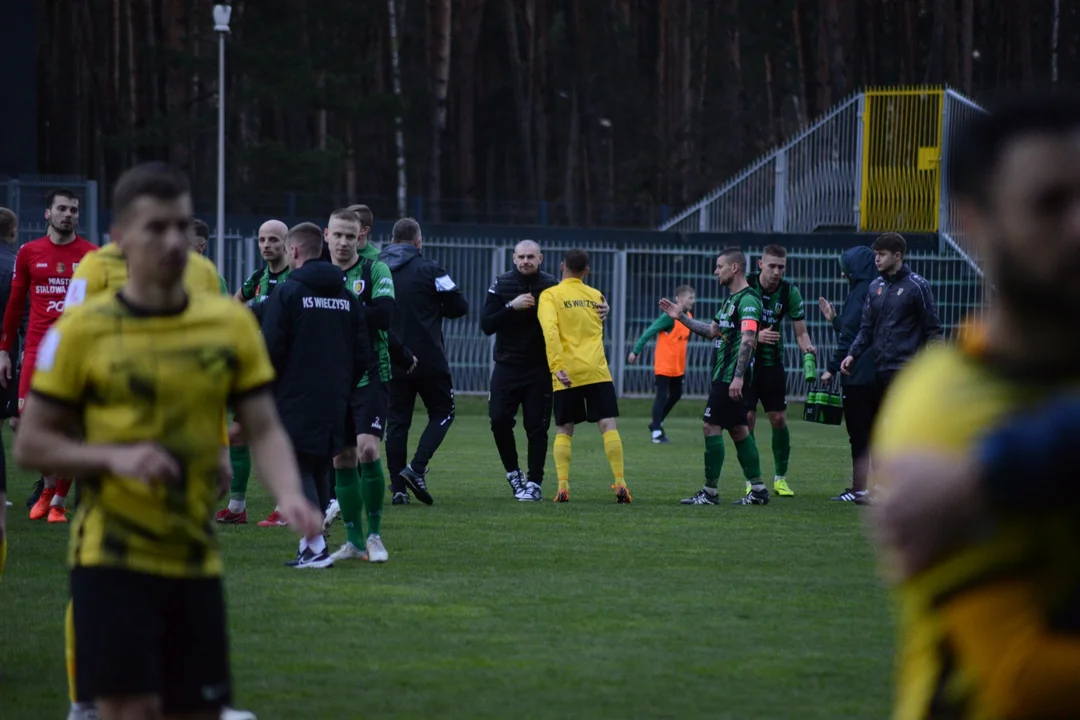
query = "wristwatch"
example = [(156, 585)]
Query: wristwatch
[(510, 305)]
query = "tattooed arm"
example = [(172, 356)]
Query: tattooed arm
[(746, 351), (698, 327)]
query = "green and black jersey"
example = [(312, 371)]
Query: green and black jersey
[(784, 301), (261, 283), (370, 280), (738, 307)]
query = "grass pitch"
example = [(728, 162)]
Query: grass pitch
[(490, 608)]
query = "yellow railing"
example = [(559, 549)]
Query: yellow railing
[(901, 159)]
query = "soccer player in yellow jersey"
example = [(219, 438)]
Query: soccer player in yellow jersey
[(990, 629), (584, 392), (145, 375), (105, 271)]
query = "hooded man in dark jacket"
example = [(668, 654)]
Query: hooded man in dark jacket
[(860, 385), (318, 342), (898, 318), (425, 295)]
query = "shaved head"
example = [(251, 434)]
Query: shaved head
[(272, 244), (527, 257), (525, 245), (275, 228)]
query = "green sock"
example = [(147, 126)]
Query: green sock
[(373, 488), (714, 460), (240, 459), (347, 483), (781, 449), (746, 450)]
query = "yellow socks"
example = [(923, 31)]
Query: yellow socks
[(562, 460), (69, 649), (614, 451)]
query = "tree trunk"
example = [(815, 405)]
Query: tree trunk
[(572, 154), (967, 43), (821, 69), (935, 68), (830, 16), (352, 172), (1024, 24), (132, 78), (522, 96), (468, 21), (542, 100), (1054, 37), (399, 133), (770, 104), (439, 15), (732, 88), (800, 56)]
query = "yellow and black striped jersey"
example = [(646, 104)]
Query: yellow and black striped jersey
[(164, 378), (983, 631)]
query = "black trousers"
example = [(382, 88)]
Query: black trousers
[(860, 407), (528, 389), (437, 394), (668, 392), (862, 403), (315, 477)]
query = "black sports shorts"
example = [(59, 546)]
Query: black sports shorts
[(143, 634), (366, 415), (768, 384), (585, 403), (723, 412)]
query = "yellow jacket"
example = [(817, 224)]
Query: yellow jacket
[(573, 333)]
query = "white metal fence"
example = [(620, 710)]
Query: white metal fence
[(633, 279), (957, 111), (810, 182)]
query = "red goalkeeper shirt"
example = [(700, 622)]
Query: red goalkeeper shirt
[(43, 270)]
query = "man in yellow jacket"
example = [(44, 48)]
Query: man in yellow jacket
[(584, 392)]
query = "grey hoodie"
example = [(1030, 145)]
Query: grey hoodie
[(858, 264)]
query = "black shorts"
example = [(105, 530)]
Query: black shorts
[(723, 412), (367, 412), (142, 634), (587, 403), (768, 384)]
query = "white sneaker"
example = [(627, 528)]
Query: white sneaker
[(376, 551), (230, 714), (333, 512), (349, 551)]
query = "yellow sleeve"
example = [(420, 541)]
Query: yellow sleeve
[(254, 370), (1022, 669), (61, 370), (208, 280), (86, 281), (919, 413), (549, 322)]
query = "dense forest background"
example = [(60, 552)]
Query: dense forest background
[(601, 110)]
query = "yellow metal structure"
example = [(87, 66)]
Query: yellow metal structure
[(901, 160)]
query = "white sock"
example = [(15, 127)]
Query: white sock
[(657, 433), (711, 492), (304, 544), (237, 506), (860, 492), (779, 477), (757, 486), (317, 545), (58, 501)]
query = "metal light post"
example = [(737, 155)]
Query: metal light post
[(222, 13)]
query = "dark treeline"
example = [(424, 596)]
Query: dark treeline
[(586, 104)]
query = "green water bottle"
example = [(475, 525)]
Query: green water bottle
[(835, 411), (809, 367)]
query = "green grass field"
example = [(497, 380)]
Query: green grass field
[(490, 608)]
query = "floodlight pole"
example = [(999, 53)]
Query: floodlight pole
[(221, 27)]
